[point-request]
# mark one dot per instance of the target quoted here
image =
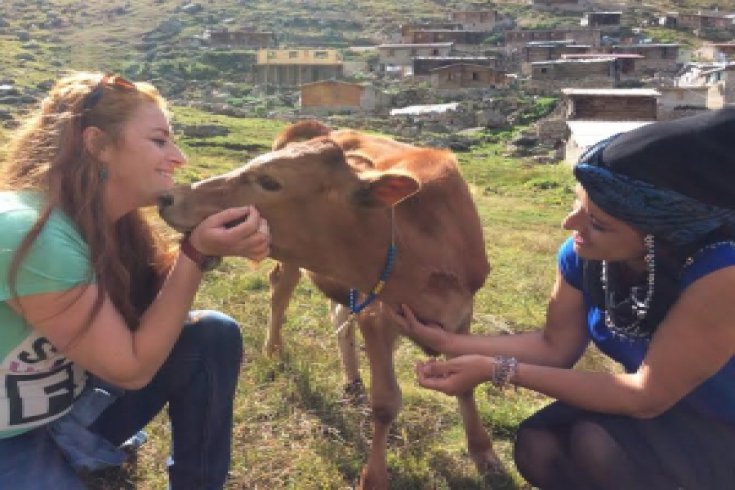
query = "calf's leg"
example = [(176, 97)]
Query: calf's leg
[(283, 280), (345, 328), (385, 395)]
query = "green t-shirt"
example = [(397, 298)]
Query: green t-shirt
[(37, 383)]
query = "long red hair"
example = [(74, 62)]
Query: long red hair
[(47, 155)]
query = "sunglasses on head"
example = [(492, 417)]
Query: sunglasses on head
[(107, 80)]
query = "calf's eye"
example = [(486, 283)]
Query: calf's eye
[(268, 183)]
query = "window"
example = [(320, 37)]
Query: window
[(293, 54), (321, 55), (475, 76)]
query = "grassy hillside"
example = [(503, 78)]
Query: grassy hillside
[(293, 430)]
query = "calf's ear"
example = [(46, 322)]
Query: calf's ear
[(385, 188)]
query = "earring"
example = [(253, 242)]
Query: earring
[(103, 174)]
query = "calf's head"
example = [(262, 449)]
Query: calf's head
[(304, 190)]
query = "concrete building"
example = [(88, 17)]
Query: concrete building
[(295, 67)]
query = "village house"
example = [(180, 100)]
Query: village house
[(398, 58), (550, 76), (669, 19), (241, 38), (656, 57), (611, 104), (475, 20), (515, 40), (422, 65), (625, 64), (700, 22), (408, 29), (466, 75), (551, 50), (720, 83), (570, 5), (295, 67), (337, 96), (607, 22), (444, 35), (716, 52)]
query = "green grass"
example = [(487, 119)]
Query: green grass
[(293, 429)]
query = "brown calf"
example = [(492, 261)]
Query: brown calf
[(334, 204)]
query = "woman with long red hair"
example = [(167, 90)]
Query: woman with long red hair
[(96, 333)]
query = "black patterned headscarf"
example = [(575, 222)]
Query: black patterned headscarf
[(675, 179)]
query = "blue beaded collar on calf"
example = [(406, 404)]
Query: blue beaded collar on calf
[(357, 308)]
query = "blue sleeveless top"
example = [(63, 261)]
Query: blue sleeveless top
[(715, 396)]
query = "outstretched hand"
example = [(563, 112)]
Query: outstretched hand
[(455, 376), (428, 335), (249, 237)]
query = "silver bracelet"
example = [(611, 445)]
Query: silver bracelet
[(504, 371)]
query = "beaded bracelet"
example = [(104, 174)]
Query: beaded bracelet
[(504, 371)]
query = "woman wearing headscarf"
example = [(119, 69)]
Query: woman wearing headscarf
[(648, 276)]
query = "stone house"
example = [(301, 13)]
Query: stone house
[(716, 52), (446, 35), (466, 75), (700, 21), (515, 40), (611, 104), (295, 67), (338, 96), (625, 64), (571, 5), (244, 38), (475, 20), (408, 29), (607, 22), (422, 65), (398, 58), (550, 76), (656, 57), (551, 50)]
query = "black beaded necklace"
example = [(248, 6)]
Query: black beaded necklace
[(638, 302)]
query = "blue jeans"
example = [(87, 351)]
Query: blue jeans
[(197, 381)]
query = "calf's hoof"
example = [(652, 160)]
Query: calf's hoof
[(371, 481)]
